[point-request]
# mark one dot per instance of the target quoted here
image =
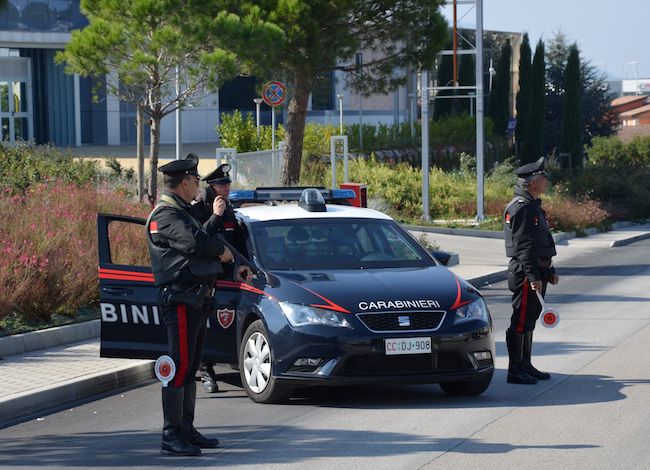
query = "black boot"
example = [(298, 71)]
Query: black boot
[(528, 350), (189, 431), (516, 371), (173, 442), (208, 378)]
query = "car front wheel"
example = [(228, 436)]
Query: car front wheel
[(256, 366), (467, 388)]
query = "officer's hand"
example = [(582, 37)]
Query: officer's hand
[(226, 256), (554, 279), (536, 285), (244, 274), (219, 206)]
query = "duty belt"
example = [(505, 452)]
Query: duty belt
[(194, 295)]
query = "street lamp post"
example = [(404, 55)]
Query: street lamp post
[(412, 113), (258, 103), (340, 97)]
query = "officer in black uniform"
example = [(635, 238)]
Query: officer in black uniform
[(530, 246), (185, 260), (215, 201)]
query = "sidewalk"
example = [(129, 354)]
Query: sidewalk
[(40, 380)]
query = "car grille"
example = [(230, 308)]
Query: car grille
[(365, 365), (389, 321)]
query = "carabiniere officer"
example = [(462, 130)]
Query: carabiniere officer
[(185, 260), (531, 247), (215, 201)]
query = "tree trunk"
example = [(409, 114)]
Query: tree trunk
[(295, 131), (139, 122), (154, 149)]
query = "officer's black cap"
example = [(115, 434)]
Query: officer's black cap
[(188, 166), (531, 169), (219, 176)]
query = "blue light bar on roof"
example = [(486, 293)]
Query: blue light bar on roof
[(286, 194), (342, 194)]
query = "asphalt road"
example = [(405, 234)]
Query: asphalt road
[(594, 413)]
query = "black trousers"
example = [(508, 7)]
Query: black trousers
[(186, 330), (526, 307)]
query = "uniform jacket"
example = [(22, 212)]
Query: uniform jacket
[(227, 224), (183, 251), (527, 234)]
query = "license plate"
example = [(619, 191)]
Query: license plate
[(394, 346)]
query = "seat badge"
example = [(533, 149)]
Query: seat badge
[(404, 320)]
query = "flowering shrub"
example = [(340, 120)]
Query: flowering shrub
[(453, 194), (48, 246)]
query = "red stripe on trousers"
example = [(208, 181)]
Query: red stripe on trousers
[(523, 307), (182, 342)]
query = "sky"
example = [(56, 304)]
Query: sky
[(610, 34)]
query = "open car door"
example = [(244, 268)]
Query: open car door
[(131, 317)]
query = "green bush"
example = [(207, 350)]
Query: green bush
[(611, 152), (23, 165)]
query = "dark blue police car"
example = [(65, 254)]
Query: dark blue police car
[(344, 296)]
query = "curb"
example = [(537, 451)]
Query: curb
[(627, 241), (44, 339), (465, 232), (28, 403), (491, 278)]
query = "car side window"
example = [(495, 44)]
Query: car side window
[(128, 244)]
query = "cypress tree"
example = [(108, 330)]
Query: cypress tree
[(523, 97), (499, 102), (535, 124), (572, 115)]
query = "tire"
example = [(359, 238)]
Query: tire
[(467, 388), (256, 366)]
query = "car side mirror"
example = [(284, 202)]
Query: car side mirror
[(442, 256)]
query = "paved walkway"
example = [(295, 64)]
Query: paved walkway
[(49, 378)]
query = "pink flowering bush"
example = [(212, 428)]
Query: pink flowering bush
[(48, 246)]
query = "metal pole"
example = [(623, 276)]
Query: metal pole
[(341, 114), (333, 160), (412, 113), (480, 216), (345, 160), (424, 83), (179, 143), (258, 103), (273, 140), (360, 124)]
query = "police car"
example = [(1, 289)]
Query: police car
[(343, 295)]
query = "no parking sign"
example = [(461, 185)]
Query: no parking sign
[(274, 93)]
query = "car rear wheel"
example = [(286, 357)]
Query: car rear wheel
[(467, 388), (256, 366)]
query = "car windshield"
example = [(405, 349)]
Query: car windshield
[(335, 244)]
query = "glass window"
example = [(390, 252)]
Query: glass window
[(4, 97), (335, 244), (20, 97), (128, 243), (21, 129)]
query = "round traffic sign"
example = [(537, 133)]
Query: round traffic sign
[(274, 93)]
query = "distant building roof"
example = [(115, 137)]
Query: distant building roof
[(635, 111), (627, 99), (627, 133)]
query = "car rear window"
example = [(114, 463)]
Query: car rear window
[(335, 244)]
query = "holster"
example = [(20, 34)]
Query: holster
[(194, 296)]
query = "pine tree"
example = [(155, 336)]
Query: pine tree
[(523, 97), (572, 124), (535, 124)]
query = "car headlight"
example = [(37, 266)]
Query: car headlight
[(472, 311), (301, 315)]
